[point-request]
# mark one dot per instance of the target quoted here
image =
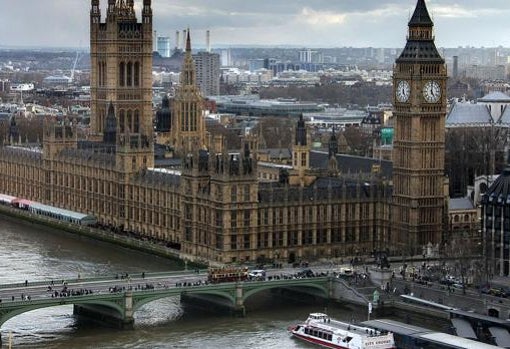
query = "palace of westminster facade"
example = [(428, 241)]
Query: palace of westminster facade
[(215, 207)]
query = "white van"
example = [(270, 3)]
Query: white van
[(258, 274)]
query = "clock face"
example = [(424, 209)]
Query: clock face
[(403, 91), (432, 91)]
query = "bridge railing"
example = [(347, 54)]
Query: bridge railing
[(114, 277)]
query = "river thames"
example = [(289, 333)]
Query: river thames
[(30, 252)]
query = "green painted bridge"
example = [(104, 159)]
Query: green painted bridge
[(116, 305)]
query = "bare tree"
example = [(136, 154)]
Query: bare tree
[(463, 256)]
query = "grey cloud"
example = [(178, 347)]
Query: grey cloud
[(347, 22)]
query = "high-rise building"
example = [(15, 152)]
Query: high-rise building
[(310, 56), (207, 66), (226, 58), (164, 46), (419, 80)]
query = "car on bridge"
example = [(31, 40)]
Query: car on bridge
[(259, 275)]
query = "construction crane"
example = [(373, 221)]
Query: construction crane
[(78, 55)]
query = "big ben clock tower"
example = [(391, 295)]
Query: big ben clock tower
[(419, 80)]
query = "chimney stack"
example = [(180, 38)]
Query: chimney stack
[(176, 40), (184, 39), (208, 40)]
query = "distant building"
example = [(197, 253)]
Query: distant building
[(455, 66), (226, 58), (164, 46), (255, 64), (486, 72), (253, 106), (4, 85), (57, 80), (207, 66), (310, 56), (22, 87)]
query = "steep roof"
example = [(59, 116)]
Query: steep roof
[(461, 204), (420, 49), (421, 15), (350, 163), (494, 97), (465, 114)]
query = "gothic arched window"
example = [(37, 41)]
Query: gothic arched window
[(136, 127), (122, 75), (122, 121), (137, 74), (129, 121), (129, 74)]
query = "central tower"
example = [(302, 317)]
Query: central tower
[(188, 131), (419, 80), (121, 68)]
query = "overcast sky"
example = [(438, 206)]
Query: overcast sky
[(312, 23)]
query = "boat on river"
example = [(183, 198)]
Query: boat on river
[(321, 330)]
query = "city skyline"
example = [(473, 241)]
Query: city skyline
[(317, 23)]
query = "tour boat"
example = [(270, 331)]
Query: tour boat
[(320, 329)]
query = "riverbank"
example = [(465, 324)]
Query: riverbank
[(103, 235)]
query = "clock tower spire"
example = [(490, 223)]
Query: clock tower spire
[(419, 80)]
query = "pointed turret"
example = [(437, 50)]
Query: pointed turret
[(420, 45), (188, 68), (333, 144), (95, 12), (301, 131), (188, 123), (147, 12), (421, 15)]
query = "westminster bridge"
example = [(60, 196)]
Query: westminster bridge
[(114, 300)]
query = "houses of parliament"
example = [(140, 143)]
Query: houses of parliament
[(215, 206)]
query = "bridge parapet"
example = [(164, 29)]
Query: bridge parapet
[(121, 306)]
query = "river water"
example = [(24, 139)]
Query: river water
[(30, 252)]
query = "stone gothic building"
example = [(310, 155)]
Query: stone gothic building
[(215, 207)]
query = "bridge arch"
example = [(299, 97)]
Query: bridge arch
[(321, 285), (11, 310), (493, 312), (141, 299)]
